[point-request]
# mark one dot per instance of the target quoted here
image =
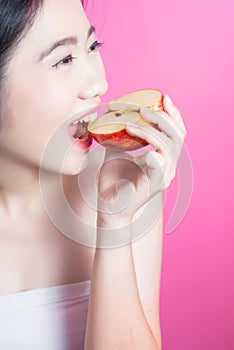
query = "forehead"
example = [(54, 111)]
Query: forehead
[(57, 19)]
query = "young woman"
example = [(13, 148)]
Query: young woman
[(58, 290)]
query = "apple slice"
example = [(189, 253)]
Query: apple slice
[(109, 129), (142, 98)]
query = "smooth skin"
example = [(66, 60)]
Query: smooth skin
[(125, 281)]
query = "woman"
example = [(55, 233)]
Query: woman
[(51, 74)]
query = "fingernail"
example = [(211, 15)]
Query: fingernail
[(131, 125), (145, 110), (168, 100)]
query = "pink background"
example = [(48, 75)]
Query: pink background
[(185, 48)]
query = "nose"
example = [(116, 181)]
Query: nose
[(95, 89), (94, 82)]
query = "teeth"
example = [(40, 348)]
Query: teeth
[(86, 119), (93, 116)]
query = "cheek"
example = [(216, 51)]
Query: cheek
[(42, 105), (35, 111)]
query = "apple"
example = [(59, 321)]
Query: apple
[(110, 128)]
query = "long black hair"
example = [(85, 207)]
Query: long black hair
[(16, 18)]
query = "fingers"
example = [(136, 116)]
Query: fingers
[(162, 143), (167, 135), (173, 112), (162, 121), (168, 151), (157, 172), (169, 120)]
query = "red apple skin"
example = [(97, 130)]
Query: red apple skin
[(120, 140)]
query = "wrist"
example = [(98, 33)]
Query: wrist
[(116, 234), (110, 221)]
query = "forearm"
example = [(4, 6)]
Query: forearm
[(116, 319)]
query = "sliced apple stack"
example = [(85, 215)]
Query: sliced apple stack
[(109, 129)]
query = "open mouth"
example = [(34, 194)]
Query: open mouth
[(78, 129)]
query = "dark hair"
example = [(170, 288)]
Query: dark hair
[(16, 18)]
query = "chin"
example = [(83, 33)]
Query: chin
[(73, 164)]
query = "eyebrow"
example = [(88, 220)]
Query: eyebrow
[(72, 40)]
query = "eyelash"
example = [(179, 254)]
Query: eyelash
[(96, 44), (70, 58)]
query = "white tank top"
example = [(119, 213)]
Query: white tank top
[(52, 318)]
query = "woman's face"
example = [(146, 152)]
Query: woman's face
[(48, 89)]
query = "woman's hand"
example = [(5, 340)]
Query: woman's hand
[(126, 183)]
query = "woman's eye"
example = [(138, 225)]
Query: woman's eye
[(65, 61), (95, 45), (68, 59)]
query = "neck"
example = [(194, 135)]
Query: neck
[(17, 185), (20, 192)]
